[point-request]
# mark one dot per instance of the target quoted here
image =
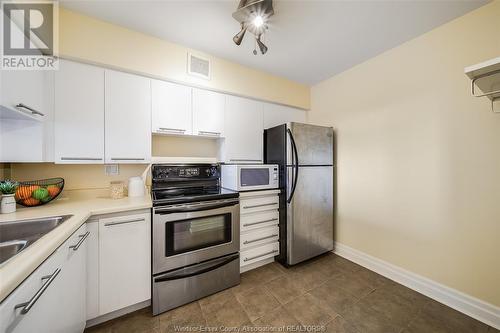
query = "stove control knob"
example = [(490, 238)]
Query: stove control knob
[(213, 171)]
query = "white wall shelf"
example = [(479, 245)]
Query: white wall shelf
[(486, 77)]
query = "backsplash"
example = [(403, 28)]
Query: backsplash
[(4, 171), (92, 176)]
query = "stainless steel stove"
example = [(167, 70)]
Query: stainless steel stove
[(195, 234)]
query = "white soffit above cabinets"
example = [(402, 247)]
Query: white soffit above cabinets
[(311, 40)]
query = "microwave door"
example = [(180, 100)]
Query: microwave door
[(254, 177)]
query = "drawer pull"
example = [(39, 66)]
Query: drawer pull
[(254, 223), (80, 242), (110, 224), (260, 255), (259, 239), (261, 205), (26, 306)]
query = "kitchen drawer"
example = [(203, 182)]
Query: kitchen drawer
[(258, 220), (258, 204), (259, 237), (254, 255)]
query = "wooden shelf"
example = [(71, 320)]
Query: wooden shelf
[(13, 113)]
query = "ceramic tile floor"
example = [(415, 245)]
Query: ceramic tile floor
[(328, 294)]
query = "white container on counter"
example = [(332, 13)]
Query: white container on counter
[(136, 187)]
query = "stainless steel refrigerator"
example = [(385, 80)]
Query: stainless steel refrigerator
[(305, 156)]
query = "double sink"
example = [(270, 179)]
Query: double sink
[(16, 236)]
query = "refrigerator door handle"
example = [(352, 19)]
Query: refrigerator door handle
[(295, 164)]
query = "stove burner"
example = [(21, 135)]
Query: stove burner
[(187, 183)]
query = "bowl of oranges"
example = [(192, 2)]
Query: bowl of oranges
[(38, 192)]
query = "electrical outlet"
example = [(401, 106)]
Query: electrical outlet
[(111, 169)]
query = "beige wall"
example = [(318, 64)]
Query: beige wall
[(184, 146), (85, 38), (418, 177)]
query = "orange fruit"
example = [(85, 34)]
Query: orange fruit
[(53, 190), (31, 202), (25, 191)]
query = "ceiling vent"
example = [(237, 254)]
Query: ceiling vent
[(198, 66)]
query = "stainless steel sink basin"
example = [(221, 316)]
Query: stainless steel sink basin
[(11, 248), (15, 236)]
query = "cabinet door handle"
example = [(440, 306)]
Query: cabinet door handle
[(260, 255), (176, 130), (244, 160), (30, 109), (80, 242), (127, 159), (254, 223), (26, 306), (259, 239), (209, 133), (81, 159), (261, 205), (110, 224)]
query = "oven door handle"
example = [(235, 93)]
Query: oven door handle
[(192, 271), (194, 208)]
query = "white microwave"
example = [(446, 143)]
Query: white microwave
[(250, 177)]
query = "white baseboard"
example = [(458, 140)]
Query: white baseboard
[(471, 306)]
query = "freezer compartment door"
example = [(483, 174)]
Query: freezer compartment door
[(314, 144), (310, 214)]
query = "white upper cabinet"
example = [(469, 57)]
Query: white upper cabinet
[(243, 131), (26, 116), (208, 113), (275, 115), (171, 108), (79, 113), (127, 118), (29, 92)]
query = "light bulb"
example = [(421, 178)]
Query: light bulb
[(258, 21)]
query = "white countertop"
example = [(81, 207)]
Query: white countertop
[(81, 204)]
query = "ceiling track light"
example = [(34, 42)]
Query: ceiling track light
[(262, 46), (239, 36), (253, 16)]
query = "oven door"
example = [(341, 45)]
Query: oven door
[(190, 233)]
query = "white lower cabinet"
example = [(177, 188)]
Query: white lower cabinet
[(124, 261), (92, 289), (259, 226), (52, 299)]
